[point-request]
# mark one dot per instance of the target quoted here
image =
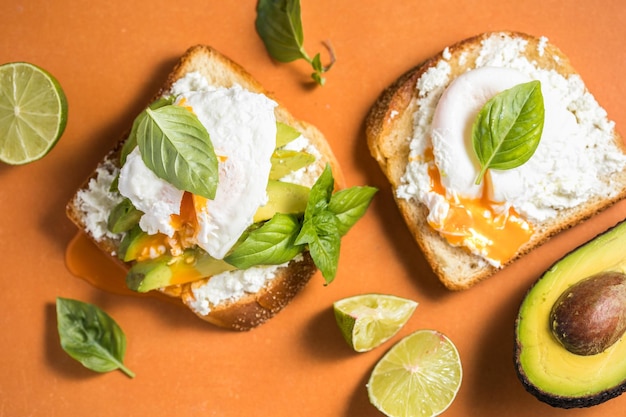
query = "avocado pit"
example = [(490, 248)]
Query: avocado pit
[(590, 316)]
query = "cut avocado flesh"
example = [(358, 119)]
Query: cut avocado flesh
[(137, 244), (167, 270), (547, 369), (285, 162), (283, 197)]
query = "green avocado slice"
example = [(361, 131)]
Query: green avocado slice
[(283, 197), (166, 270), (548, 370)]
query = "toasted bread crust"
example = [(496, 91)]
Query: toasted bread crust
[(252, 309), (389, 129)]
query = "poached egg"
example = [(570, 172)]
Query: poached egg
[(242, 128)]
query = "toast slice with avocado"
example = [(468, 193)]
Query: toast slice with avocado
[(414, 129), (270, 261)]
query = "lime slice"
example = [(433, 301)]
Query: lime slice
[(368, 320), (418, 376), (33, 112)]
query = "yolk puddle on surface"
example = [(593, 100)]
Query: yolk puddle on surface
[(85, 260), (89, 263), (475, 223)]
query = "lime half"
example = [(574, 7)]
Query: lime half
[(368, 320), (418, 376), (33, 112)]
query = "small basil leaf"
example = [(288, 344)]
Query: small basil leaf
[(271, 244), (91, 336), (177, 148), (113, 188), (285, 162), (508, 128), (279, 25), (123, 217), (324, 241), (349, 205), (320, 194), (317, 64), (285, 134)]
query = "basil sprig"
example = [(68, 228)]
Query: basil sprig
[(508, 128), (326, 219), (272, 243), (279, 24), (91, 336), (176, 146)]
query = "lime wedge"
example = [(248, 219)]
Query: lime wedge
[(418, 376), (368, 320), (33, 112)]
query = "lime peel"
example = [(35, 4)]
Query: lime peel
[(33, 112), (368, 320)]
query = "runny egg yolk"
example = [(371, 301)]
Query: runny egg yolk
[(184, 225), (481, 224)]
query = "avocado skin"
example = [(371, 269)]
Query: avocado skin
[(550, 398)]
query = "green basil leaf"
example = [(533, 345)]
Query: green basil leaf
[(177, 148), (123, 217), (321, 233), (271, 244), (91, 336), (285, 162), (508, 128), (131, 141), (349, 205), (279, 25), (285, 134), (113, 188), (320, 194)]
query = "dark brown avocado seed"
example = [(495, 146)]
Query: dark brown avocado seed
[(590, 316)]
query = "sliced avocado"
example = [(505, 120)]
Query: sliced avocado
[(285, 134), (166, 270), (123, 217), (283, 197), (546, 368), (136, 242), (286, 161)]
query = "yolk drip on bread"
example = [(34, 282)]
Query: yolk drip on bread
[(184, 224), (489, 227)]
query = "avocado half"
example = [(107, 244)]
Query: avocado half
[(547, 369)]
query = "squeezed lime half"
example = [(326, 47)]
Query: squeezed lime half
[(419, 376), (33, 112), (368, 320)]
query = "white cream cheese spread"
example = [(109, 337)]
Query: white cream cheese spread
[(229, 286), (97, 201), (575, 155)]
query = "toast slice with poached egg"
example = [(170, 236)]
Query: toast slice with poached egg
[(181, 243), (420, 131)]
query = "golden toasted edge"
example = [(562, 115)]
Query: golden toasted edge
[(253, 309), (391, 115)]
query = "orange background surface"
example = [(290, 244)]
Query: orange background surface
[(111, 56)]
